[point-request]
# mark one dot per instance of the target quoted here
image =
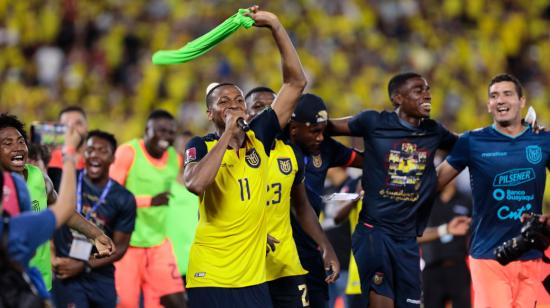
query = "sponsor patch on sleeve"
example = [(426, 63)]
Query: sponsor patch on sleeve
[(190, 155)]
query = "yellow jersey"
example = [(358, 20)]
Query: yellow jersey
[(354, 283), (229, 247), (285, 169)]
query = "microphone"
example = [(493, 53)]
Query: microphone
[(243, 125)]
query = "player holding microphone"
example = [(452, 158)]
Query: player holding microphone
[(228, 171)]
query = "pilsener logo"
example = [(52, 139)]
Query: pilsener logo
[(514, 177)]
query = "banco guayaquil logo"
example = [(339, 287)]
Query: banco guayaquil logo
[(533, 154)]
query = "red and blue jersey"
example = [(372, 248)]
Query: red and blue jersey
[(507, 175)]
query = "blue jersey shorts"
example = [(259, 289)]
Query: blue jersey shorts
[(388, 265), (214, 297), (83, 291)]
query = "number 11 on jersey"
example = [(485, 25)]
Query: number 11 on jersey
[(245, 189)]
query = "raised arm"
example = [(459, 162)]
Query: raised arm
[(294, 78), (64, 206)]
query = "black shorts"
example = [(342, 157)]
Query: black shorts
[(317, 288), (387, 265), (356, 301), (214, 297), (289, 292), (84, 291)]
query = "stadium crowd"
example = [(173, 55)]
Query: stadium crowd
[(158, 244), (97, 54)]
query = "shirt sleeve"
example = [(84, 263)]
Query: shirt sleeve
[(300, 175), (459, 156), (341, 155), (448, 139), (124, 158), (361, 123), (195, 150), (127, 214), (266, 127), (27, 232)]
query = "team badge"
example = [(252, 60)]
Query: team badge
[(190, 155), (317, 161), (533, 154), (378, 278), (252, 158), (285, 166)]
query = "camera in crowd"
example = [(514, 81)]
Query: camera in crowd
[(534, 235), (49, 134)]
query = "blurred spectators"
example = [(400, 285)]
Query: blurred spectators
[(96, 54)]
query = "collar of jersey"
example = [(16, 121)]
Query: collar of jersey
[(405, 123), (525, 128)]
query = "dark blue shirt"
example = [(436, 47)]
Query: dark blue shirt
[(332, 154), (117, 213), (399, 176), (507, 175)]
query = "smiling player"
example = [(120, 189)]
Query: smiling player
[(399, 181), (507, 163), (111, 208), (147, 168)]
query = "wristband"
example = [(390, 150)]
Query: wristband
[(68, 150), (69, 158), (442, 230)]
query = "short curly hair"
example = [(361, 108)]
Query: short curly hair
[(10, 120)]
